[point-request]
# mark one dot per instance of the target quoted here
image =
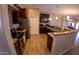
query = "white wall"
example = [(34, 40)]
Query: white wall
[(4, 48), (54, 21), (33, 16), (6, 28)]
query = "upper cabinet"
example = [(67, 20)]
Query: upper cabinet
[(23, 13), (44, 17), (15, 17), (13, 14), (16, 13)]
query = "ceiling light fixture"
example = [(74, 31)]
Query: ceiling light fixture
[(68, 18), (56, 18), (50, 18)]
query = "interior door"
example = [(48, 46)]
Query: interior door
[(34, 25)]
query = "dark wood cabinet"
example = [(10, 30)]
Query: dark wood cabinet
[(49, 42), (22, 45), (15, 17), (44, 29), (23, 13), (18, 48), (44, 18), (17, 13)]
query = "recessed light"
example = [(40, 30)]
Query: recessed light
[(56, 17), (68, 18)]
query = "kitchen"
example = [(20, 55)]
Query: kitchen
[(29, 20), (18, 27)]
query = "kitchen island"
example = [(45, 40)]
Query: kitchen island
[(63, 40)]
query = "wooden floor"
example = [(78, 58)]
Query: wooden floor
[(75, 49), (36, 45)]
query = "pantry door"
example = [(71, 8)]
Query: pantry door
[(34, 25)]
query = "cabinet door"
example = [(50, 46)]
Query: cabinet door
[(34, 25), (23, 13), (44, 17), (49, 43), (18, 48), (15, 16)]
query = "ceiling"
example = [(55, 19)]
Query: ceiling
[(64, 9)]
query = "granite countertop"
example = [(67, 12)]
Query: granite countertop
[(59, 31), (24, 30), (53, 28), (67, 31), (15, 40)]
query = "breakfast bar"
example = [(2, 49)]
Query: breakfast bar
[(62, 41)]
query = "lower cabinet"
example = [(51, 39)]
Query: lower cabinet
[(49, 42), (22, 45), (44, 29), (18, 48)]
